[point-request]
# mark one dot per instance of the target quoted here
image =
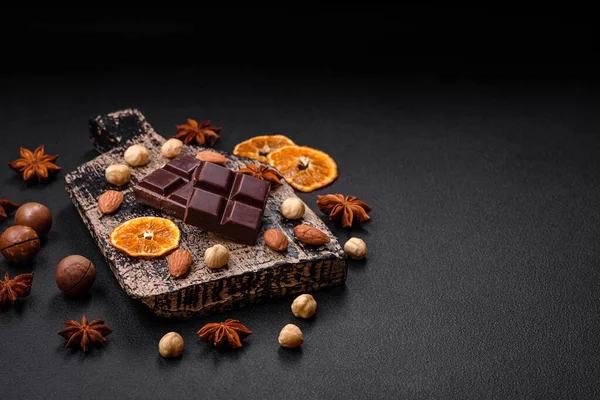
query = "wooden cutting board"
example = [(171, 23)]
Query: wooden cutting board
[(254, 273)]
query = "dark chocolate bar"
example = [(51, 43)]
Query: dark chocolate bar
[(229, 203), (208, 196), (167, 188)]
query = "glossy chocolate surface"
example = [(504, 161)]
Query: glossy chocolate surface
[(167, 188), (208, 196), (228, 203)]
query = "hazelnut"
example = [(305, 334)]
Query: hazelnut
[(356, 248), (19, 244), (216, 257), (304, 306), (36, 216), (136, 155), (293, 208), (118, 174), (171, 148), (171, 345), (291, 336), (75, 275)]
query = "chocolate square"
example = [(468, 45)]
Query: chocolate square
[(207, 196)]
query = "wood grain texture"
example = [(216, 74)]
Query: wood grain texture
[(254, 273)]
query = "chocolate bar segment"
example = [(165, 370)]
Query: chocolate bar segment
[(168, 188), (208, 196), (230, 204)]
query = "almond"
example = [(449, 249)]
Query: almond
[(180, 263), (310, 235), (276, 239), (212, 157), (110, 201)]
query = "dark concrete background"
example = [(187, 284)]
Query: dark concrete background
[(474, 136)]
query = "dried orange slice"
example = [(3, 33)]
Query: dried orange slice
[(146, 237), (303, 167), (259, 147)]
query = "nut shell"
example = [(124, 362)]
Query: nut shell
[(110, 201), (310, 235), (19, 244), (75, 275), (276, 239), (212, 157), (291, 336), (180, 263), (36, 216)]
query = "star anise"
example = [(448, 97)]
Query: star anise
[(204, 134), (6, 207), (84, 334), (35, 164), (262, 172), (12, 289), (345, 208), (224, 334)]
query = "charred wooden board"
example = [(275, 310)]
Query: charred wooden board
[(254, 273)]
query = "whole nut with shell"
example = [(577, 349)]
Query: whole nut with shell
[(304, 306), (118, 174), (355, 248), (212, 157), (19, 244), (171, 345), (136, 155), (172, 148), (293, 208), (276, 239), (110, 201), (216, 256), (180, 263), (36, 216), (291, 337), (310, 235), (75, 275)]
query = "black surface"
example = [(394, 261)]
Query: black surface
[(474, 140)]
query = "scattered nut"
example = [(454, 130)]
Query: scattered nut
[(304, 306), (216, 257), (212, 157), (136, 155), (356, 248), (171, 345), (291, 336), (110, 201), (75, 275), (293, 208), (180, 263), (276, 239), (310, 235), (118, 174), (171, 148)]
